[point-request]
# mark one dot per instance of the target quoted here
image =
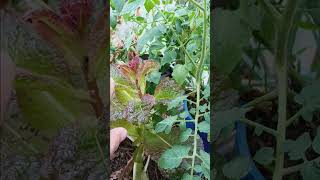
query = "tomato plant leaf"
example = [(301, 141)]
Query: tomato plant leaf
[(296, 149), (166, 124), (176, 102), (237, 168), (204, 126), (228, 41), (316, 142), (264, 156), (154, 77), (131, 6), (173, 157), (149, 4), (180, 73), (169, 56), (185, 135), (310, 171), (148, 36)]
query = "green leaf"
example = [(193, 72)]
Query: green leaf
[(118, 5), (205, 171), (180, 73), (237, 168), (197, 168), (225, 119), (166, 124), (132, 6), (264, 156), (172, 158), (148, 36), (154, 77), (258, 131), (228, 41), (310, 99), (156, 143), (185, 135), (49, 104), (316, 142), (176, 102), (206, 158), (187, 176), (296, 149), (169, 56), (149, 4), (132, 129), (206, 92), (310, 171), (204, 126)]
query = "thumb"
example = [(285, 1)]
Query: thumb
[(117, 135)]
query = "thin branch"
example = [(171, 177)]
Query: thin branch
[(295, 117), (197, 4), (298, 167), (271, 95), (264, 128), (7, 126), (271, 9)]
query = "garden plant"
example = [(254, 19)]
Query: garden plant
[(160, 62), (279, 101), (54, 127)]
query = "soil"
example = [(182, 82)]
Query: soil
[(122, 164), (267, 116)]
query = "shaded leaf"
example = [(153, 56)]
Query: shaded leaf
[(264, 156), (296, 149), (237, 168)]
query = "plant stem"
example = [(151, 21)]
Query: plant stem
[(264, 128), (295, 117), (198, 5), (271, 9), (298, 167), (198, 81), (258, 100), (15, 133), (281, 51)]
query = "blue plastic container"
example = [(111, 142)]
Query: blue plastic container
[(242, 148), (204, 136)]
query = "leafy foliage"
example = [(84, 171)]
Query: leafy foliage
[(170, 35)]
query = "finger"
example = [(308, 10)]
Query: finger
[(112, 86), (117, 135)]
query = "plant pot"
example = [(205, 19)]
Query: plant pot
[(203, 136), (242, 148)]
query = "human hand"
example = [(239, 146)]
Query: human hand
[(117, 135), (112, 86)]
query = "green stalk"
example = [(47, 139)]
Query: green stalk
[(283, 32), (198, 89)]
